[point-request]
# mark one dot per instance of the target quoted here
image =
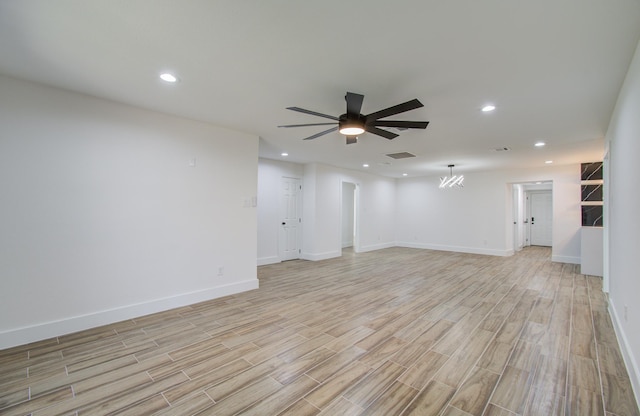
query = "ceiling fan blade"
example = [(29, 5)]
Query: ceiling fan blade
[(322, 133), (380, 132), (305, 125), (401, 124), (352, 139), (313, 113), (354, 104), (396, 109)]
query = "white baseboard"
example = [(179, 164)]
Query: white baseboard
[(26, 335), (457, 249), (565, 259), (373, 247), (263, 261), (627, 353), (320, 256)]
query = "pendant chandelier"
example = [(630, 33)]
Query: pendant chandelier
[(451, 180)]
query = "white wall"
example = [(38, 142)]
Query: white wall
[(309, 210), (376, 212), (270, 174), (103, 219), (376, 207), (622, 222), (322, 209), (348, 201), (414, 212), (479, 217)]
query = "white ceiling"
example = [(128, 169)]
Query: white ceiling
[(553, 69)]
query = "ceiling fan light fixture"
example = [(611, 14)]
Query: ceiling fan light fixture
[(353, 123), (351, 131), (351, 128)]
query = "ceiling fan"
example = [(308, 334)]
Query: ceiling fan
[(353, 123)]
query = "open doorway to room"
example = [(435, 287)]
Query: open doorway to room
[(532, 214), (349, 223)]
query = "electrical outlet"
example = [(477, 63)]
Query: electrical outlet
[(220, 271)]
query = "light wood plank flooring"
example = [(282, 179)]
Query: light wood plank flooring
[(390, 332)]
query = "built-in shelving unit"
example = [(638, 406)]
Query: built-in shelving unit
[(592, 183), (591, 178)]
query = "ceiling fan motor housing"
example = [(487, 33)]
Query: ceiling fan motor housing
[(346, 121)]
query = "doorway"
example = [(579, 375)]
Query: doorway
[(349, 223), (532, 214), (290, 232), (540, 218)]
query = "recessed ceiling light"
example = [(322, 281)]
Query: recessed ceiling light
[(365, 165), (489, 107), (548, 162), (284, 154), (539, 144), (168, 77), (405, 174), (538, 183)]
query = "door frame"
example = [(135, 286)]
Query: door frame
[(356, 214), (520, 210), (527, 195)]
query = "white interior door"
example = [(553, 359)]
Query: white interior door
[(289, 240), (541, 218)]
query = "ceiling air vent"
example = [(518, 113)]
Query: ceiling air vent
[(401, 155), (501, 149)]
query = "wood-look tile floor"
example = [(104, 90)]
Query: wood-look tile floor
[(396, 331)]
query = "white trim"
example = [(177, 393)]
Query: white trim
[(565, 259), (627, 353), (39, 332), (457, 249), (320, 256), (374, 247), (263, 261), (606, 172)]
